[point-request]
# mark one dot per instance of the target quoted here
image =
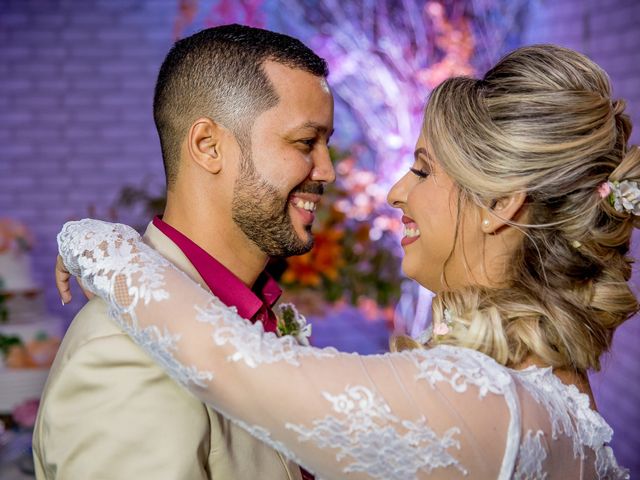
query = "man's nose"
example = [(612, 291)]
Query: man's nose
[(323, 170)]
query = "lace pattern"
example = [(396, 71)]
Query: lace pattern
[(570, 414), (101, 253), (377, 442), (531, 457), (607, 466), (460, 367), (357, 431), (251, 344), (568, 409)]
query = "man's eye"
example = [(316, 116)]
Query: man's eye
[(309, 142), (420, 173)]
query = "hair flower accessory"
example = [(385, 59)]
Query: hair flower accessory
[(624, 196), (291, 322), (604, 190), (443, 327)]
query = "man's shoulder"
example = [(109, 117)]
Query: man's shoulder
[(105, 396), (93, 343), (91, 324), (96, 355)]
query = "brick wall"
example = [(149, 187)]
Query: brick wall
[(76, 82), (76, 87)]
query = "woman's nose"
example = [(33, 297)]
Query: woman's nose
[(397, 195)]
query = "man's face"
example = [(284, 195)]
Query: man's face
[(282, 174)]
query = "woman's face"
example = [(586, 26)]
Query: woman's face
[(433, 251)]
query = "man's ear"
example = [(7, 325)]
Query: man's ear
[(502, 212), (203, 144)]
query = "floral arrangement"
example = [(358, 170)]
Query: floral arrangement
[(355, 258), (4, 311), (25, 414), (36, 353), (14, 236)]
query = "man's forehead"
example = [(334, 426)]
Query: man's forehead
[(285, 78), (325, 85), (305, 103)]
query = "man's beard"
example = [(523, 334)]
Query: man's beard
[(262, 213)]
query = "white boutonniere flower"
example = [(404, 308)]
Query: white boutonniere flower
[(291, 322)]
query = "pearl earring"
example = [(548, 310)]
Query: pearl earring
[(486, 223)]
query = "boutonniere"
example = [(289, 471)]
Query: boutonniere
[(291, 322)]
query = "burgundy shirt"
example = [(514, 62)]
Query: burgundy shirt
[(254, 304)]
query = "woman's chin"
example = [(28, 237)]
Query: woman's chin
[(417, 275), (409, 270)]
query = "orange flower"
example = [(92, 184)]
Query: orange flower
[(324, 260), (302, 271), (362, 233)]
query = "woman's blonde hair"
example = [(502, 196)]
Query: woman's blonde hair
[(541, 122)]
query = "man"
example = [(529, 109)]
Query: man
[(244, 117)]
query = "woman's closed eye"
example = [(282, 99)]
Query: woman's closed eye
[(419, 172)]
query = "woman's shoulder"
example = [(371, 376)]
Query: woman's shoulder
[(570, 411), (570, 416), (567, 411)]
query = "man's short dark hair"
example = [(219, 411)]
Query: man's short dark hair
[(218, 73)]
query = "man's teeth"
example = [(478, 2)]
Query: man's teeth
[(311, 206), (411, 232)]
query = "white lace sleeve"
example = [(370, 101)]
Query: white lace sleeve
[(442, 413)]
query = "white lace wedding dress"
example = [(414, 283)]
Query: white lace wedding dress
[(441, 413)]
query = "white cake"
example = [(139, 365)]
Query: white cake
[(24, 367), (15, 271)]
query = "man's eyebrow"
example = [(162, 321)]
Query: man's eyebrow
[(318, 127)]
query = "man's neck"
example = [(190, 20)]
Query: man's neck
[(227, 245)]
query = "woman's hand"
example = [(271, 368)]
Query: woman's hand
[(63, 282)]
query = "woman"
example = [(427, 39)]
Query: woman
[(518, 209)]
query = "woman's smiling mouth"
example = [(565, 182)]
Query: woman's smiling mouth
[(411, 231)]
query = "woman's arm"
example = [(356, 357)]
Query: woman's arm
[(443, 413)]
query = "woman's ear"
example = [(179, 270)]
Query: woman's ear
[(203, 144), (502, 212)]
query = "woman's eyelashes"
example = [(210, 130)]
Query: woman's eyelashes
[(419, 172)]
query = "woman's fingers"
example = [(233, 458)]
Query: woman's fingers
[(62, 281)]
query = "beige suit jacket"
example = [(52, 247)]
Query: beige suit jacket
[(108, 412)]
